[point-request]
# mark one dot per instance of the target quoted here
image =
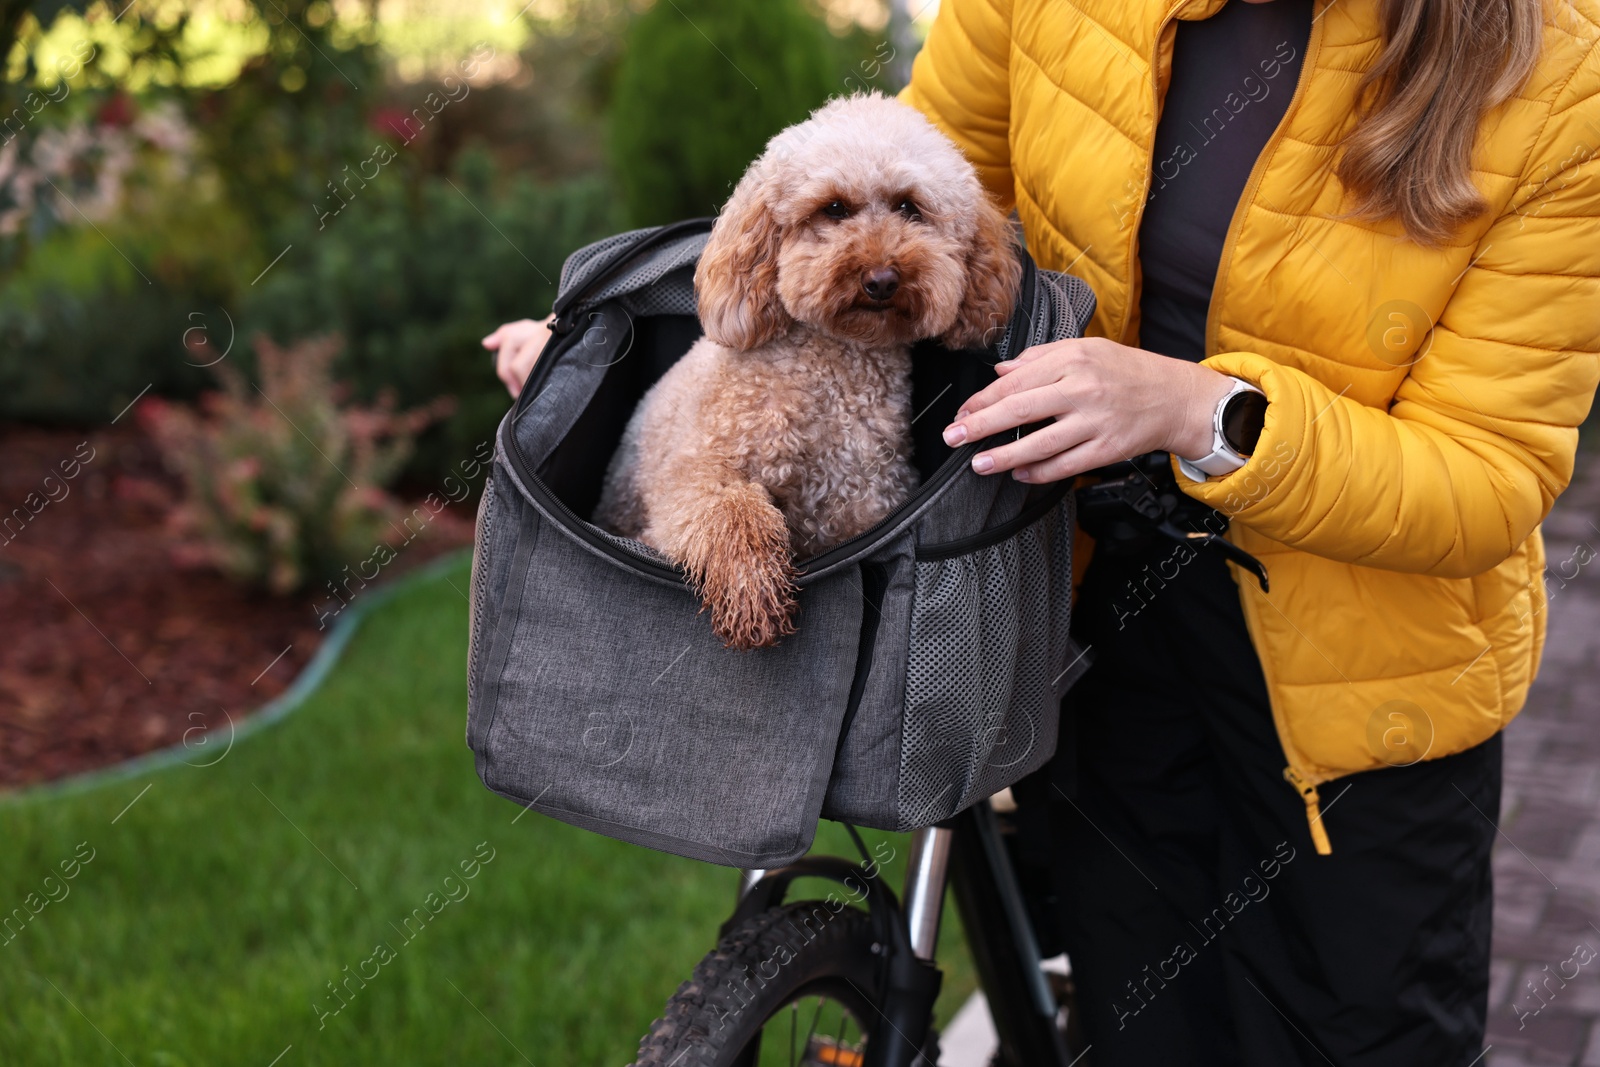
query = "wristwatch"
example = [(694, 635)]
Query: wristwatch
[(1235, 429)]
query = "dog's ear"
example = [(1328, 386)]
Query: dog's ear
[(993, 275), (736, 283)]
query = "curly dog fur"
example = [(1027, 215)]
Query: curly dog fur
[(786, 430)]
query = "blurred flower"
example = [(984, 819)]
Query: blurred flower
[(90, 163), (137, 490), (117, 110), (391, 122)]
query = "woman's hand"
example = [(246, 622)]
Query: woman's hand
[(1109, 402), (516, 346)]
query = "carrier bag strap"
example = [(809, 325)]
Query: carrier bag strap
[(570, 300)]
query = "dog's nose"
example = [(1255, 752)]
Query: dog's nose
[(880, 283)]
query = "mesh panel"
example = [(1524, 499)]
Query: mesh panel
[(985, 669), (1062, 306), (579, 263), (638, 274), (673, 294)]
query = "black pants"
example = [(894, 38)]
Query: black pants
[(1201, 924)]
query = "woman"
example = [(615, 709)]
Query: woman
[(1277, 807), (1347, 254)]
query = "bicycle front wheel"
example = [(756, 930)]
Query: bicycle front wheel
[(795, 986)]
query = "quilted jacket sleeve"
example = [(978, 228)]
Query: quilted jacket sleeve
[(961, 81), (1481, 435)]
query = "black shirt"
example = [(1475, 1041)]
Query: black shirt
[(1232, 78)]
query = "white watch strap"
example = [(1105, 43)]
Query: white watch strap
[(1222, 459)]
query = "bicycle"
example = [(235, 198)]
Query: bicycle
[(877, 965), (782, 971)]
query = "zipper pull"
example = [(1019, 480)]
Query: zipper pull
[(1308, 793)]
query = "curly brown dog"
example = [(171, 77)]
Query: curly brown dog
[(786, 429)]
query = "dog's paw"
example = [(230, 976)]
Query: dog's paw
[(751, 606), (733, 545)]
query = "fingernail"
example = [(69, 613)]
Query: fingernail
[(983, 464), (1020, 474), (963, 413), (954, 434)]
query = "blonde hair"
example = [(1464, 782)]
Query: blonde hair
[(1444, 64)]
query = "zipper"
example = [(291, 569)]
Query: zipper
[(1297, 778), (1308, 793), (946, 471), (478, 585), (1313, 47), (601, 274), (1301, 780), (995, 534), (576, 525), (656, 569), (1021, 320), (565, 336), (874, 586)]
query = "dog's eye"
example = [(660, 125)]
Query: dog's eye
[(909, 210), (836, 209)]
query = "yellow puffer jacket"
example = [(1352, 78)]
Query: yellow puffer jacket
[(1423, 401)]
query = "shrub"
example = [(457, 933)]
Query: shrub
[(84, 330), (702, 86), (411, 276), (414, 287), (410, 272), (114, 246), (283, 485)]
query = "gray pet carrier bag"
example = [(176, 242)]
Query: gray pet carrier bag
[(931, 651)]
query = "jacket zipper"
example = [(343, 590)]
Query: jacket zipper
[(1313, 802), (1302, 781), (1313, 47)]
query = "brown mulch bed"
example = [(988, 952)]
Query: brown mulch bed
[(110, 649)]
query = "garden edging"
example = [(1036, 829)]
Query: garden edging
[(305, 684)]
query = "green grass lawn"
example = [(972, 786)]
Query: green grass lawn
[(216, 910)]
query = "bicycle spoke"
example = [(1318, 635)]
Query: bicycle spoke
[(812, 1032)]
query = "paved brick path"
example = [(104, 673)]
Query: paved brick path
[(1544, 997)]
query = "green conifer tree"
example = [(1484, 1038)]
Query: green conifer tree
[(702, 86)]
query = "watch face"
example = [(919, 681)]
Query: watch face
[(1242, 419)]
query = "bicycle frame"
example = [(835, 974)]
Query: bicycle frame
[(964, 853)]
